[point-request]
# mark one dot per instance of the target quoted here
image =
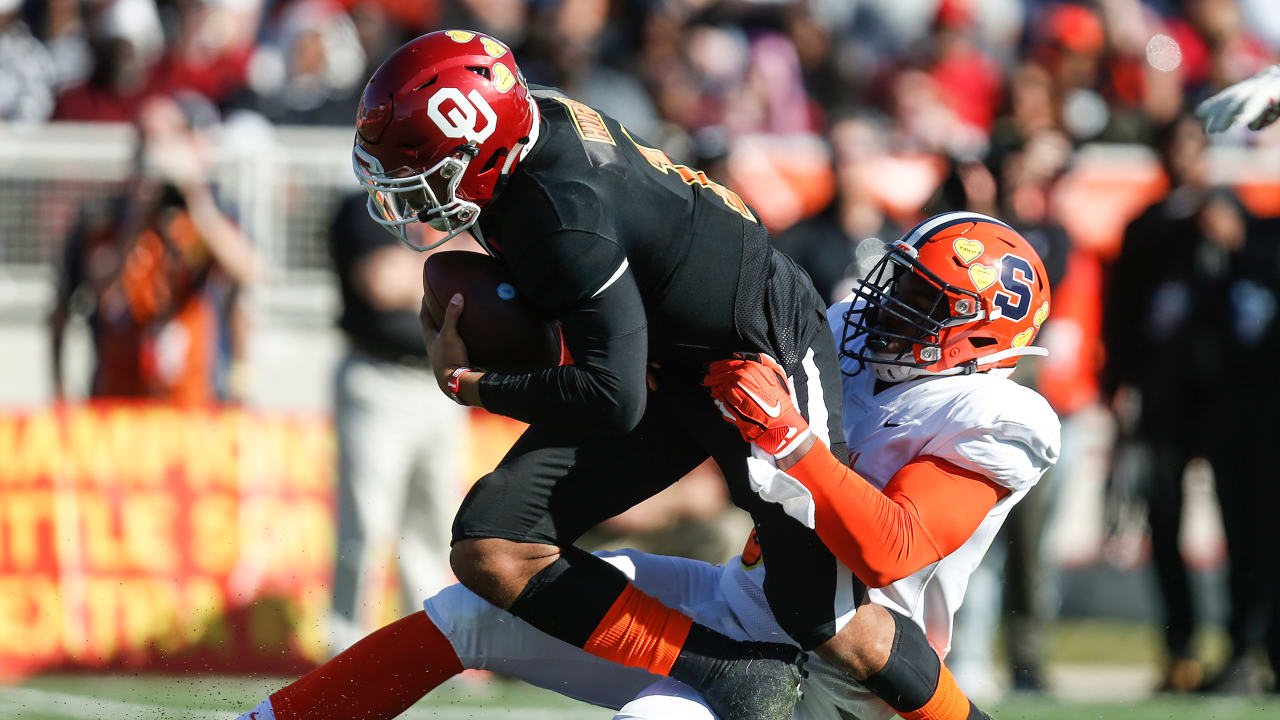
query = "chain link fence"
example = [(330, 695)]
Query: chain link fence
[(282, 183)]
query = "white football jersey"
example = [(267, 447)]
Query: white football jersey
[(982, 422)]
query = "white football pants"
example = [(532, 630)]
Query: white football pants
[(487, 638)]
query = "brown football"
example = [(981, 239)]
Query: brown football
[(502, 331)]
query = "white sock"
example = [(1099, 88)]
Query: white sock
[(262, 712)]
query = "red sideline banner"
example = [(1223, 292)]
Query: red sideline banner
[(137, 536)]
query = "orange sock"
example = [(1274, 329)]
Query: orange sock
[(948, 701), (375, 679), (638, 631)]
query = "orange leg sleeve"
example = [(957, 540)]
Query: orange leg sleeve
[(948, 701), (377, 678), (639, 631)]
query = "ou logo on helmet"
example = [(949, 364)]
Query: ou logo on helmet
[(460, 120)]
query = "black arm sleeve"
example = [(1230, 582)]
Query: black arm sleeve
[(604, 390)]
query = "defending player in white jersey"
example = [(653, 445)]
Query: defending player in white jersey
[(942, 446), (1255, 101)]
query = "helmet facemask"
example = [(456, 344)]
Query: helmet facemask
[(430, 196), (903, 310)]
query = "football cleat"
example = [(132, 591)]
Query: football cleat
[(746, 680)]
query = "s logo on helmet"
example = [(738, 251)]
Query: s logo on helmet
[(460, 121)]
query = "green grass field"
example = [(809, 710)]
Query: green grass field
[(77, 697), (1092, 662), (120, 697)]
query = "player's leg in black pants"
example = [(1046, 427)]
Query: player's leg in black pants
[(522, 519)]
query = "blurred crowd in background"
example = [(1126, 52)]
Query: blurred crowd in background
[(839, 120)]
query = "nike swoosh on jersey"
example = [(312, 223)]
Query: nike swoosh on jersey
[(891, 424), (771, 410)]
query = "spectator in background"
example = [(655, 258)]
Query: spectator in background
[(1234, 49), (925, 123), (312, 73), (210, 48), (507, 20), (1069, 41), (1026, 178), (63, 26), (1165, 360), (1031, 108), (401, 442), (26, 82), (569, 39), (125, 41), (382, 26), (969, 80), (1262, 17), (824, 245), (158, 271), (1244, 433)]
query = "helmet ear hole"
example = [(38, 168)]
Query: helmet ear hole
[(481, 71), (981, 342), (494, 157)]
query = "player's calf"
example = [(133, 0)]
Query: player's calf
[(376, 679), (891, 656), (588, 603)]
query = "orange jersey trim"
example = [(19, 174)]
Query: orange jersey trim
[(928, 510), (690, 176), (587, 122)]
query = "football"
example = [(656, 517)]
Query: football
[(502, 331)]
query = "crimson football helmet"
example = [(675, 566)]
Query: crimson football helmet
[(959, 293), (441, 124)]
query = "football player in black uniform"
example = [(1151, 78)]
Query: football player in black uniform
[(649, 265)]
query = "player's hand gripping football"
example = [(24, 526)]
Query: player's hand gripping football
[(752, 392), (445, 348), (1256, 101)]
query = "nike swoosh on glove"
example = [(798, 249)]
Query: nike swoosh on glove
[(1256, 100), (752, 392)]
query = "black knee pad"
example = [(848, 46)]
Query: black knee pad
[(908, 680), (568, 598)]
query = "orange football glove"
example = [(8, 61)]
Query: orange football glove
[(752, 392)]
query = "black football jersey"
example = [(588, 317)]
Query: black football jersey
[(593, 208)]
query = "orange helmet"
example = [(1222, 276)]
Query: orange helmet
[(959, 293)]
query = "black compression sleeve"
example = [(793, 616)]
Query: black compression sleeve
[(604, 390)]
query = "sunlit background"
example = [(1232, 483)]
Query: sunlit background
[(175, 186)]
